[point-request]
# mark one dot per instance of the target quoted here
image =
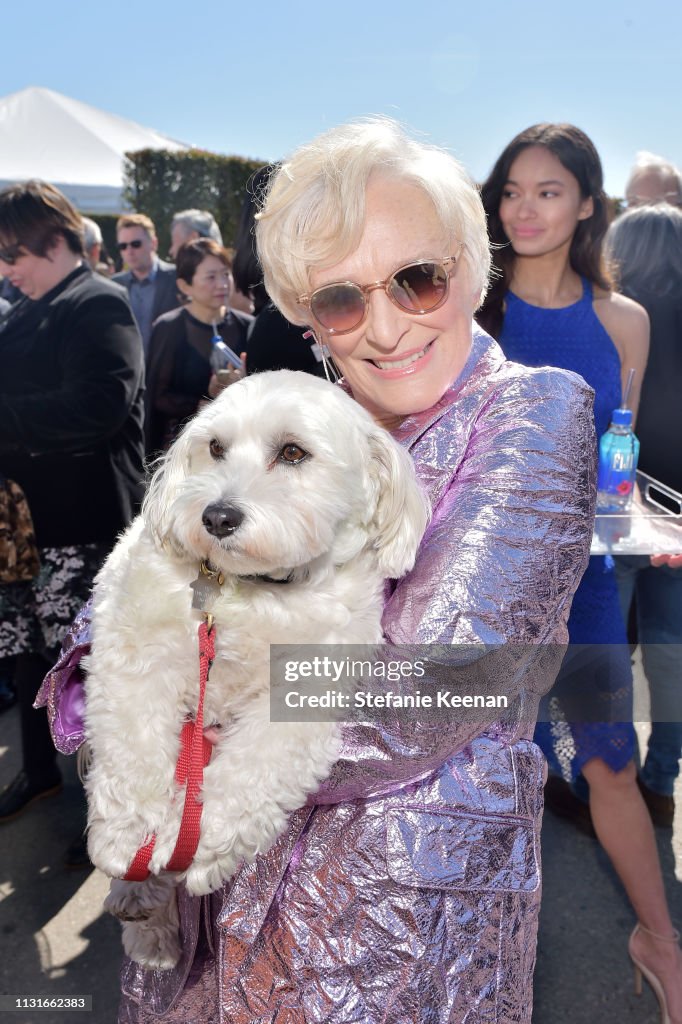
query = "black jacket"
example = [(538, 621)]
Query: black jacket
[(178, 368), (71, 409)]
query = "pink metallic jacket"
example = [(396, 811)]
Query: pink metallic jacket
[(408, 889)]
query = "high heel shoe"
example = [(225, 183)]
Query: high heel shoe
[(641, 969)]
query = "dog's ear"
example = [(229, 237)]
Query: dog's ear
[(168, 472), (401, 512)]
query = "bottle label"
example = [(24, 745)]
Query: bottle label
[(617, 477), (623, 462)]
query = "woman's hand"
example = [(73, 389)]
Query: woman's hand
[(223, 378), (674, 561)]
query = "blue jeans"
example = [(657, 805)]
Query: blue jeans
[(658, 593)]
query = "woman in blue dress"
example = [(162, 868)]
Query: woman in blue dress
[(553, 305)]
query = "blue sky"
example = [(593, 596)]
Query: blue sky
[(260, 77)]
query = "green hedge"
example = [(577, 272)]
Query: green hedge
[(160, 183)]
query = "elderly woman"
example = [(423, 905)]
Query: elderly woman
[(408, 887)]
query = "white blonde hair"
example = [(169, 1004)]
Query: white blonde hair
[(314, 210)]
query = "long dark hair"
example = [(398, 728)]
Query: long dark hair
[(246, 268), (576, 152)]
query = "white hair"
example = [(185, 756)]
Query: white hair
[(92, 234), (645, 247), (669, 175), (314, 211)]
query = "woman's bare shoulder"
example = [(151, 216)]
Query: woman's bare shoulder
[(620, 314), (627, 324)]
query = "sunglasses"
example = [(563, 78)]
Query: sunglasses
[(11, 254), (135, 244), (420, 287)]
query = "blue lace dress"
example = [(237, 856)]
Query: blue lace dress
[(595, 683)]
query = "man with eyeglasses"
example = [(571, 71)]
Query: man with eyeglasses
[(149, 280), (653, 180)]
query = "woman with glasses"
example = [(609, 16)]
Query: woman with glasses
[(71, 409), (179, 375), (553, 304), (407, 889)]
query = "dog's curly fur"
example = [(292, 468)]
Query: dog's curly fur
[(328, 499)]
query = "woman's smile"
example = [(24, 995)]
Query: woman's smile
[(407, 362)]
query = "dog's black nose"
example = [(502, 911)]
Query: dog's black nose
[(221, 520)]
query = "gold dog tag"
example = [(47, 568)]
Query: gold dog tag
[(206, 587)]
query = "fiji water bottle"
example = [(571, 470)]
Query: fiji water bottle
[(222, 357), (618, 454)]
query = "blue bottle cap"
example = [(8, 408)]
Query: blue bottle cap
[(622, 417)]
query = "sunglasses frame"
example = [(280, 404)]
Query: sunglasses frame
[(12, 253), (445, 262), (136, 243)]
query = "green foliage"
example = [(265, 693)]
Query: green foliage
[(616, 207), (159, 182)]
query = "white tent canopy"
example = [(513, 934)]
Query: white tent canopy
[(72, 145)]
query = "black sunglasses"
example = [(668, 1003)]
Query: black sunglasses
[(135, 244), (11, 254)]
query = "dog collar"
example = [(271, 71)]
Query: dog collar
[(269, 579), (215, 576), (206, 587)]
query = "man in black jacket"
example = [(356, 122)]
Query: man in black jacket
[(71, 435)]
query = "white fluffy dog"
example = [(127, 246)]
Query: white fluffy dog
[(283, 477)]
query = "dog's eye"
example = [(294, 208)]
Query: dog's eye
[(216, 449), (292, 454)]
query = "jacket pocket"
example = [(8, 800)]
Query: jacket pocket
[(466, 852)]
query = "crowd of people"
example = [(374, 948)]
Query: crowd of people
[(366, 257)]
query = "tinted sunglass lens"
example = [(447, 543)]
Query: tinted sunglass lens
[(420, 287), (340, 307), (11, 254)]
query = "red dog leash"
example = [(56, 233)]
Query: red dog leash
[(195, 753)]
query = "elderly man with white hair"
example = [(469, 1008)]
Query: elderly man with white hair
[(92, 241), (653, 180)]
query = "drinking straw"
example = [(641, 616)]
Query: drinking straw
[(628, 388)]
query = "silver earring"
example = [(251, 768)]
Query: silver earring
[(330, 371), (322, 351)]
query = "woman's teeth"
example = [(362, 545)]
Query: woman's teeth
[(397, 364)]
